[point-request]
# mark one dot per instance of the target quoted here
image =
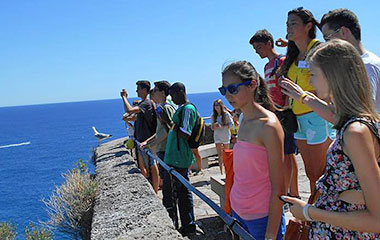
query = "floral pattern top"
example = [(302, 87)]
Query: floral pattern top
[(339, 176)]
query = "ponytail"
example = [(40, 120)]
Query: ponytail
[(262, 96)]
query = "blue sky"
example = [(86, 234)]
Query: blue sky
[(62, 51)]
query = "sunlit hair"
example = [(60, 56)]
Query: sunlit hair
[(292, 51), (245, 71), (347, 80), (222, 111)]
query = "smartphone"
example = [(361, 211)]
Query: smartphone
[(285, 201)]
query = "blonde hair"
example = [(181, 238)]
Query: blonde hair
[(347, 80)]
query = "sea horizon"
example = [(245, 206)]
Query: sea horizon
[(93, 100)]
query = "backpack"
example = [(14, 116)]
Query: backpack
[(276, 65), (198, 132)]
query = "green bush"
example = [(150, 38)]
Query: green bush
[(7, 231), (70, 207), (37, 233)]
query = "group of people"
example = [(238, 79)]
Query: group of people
[(333, 91), (163, 121), (332, 88)]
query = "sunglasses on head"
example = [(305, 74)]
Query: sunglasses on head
[(233, 88)]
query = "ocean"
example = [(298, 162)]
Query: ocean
[(40, 142)]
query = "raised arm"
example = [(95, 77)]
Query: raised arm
[(127, 107), (320, 107)]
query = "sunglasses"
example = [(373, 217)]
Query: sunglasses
[(233, 88), (329, 37)]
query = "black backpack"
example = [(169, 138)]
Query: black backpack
[(198, 132)]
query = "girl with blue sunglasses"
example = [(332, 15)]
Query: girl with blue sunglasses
[(258, 159)]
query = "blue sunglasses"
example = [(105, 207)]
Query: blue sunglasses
[(233, 88)]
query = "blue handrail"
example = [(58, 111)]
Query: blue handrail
[(231, 222)]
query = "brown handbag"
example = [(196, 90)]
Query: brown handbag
[(297, 229)]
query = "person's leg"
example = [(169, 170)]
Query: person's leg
[(198, 158), (294, 176), (287, 172), (219, 149), (185, 203), (155, 176), (226, 146), (318, 135), (161, 155), (168, 198), (140, 159), (291, 169)]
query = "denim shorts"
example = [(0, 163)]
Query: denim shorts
[(147, 161), (258, 227), (314, 129)]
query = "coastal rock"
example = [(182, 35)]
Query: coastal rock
[(126, 206)]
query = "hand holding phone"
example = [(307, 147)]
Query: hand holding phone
[(283, 200)]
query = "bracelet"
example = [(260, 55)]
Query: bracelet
[(305, 212), (302, 97)]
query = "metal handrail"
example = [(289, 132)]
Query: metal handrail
[(231, 222)]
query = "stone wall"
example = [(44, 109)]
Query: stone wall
[(126, 206)]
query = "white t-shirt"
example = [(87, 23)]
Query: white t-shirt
[(372, 65)]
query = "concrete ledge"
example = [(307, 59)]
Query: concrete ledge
[(205, 151), (126, 206), (217, 185)]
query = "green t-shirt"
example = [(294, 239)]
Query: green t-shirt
[(181, 157)]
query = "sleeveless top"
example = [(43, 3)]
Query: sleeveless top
[(301, 76), (339, 176), (251, 191)]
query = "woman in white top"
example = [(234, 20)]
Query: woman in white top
[(221, 123)]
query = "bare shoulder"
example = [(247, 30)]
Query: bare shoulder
[(271, 126), (355, 132), (271, 121), (357, 138)]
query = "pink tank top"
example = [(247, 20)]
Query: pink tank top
[(251, 190)]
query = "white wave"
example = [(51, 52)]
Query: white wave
[(15, 145)]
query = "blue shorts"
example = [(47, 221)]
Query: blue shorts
[(314, 129), (290, 145), (258, 227)]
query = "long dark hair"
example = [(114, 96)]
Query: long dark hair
[(292, 51), (246, 71)]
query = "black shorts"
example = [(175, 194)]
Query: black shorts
[(290, 145)]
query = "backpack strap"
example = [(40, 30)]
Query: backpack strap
[(276, 65), (181, 120)]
